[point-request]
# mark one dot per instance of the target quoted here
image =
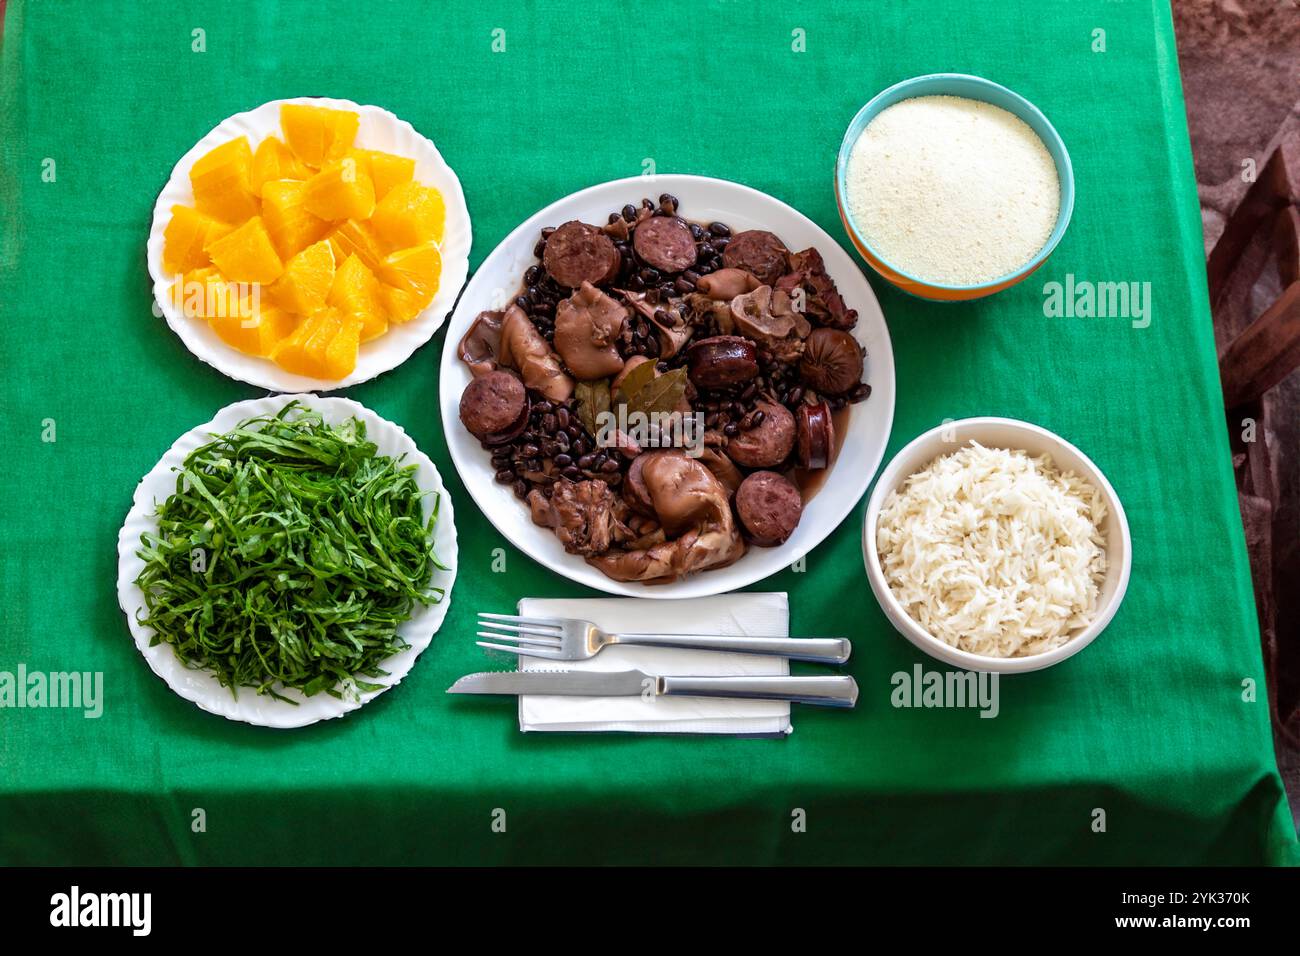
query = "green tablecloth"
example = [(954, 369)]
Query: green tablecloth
[(1149, 724)]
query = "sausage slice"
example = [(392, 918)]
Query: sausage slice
[(769, 507), (665, 242), (766, 444), (493, 406), (578, 253), (757, 251)]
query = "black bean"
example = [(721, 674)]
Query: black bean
[(683, 286), (697, 231), (572, 473), (796, 394), (720, 244), (758, 416), (505, 476), (704, 251), (860, 393), (649, 276), (528, 451), (609, 467), (547, 231), (731, 429), (521, 488), (562, 417), (563, 461), (539, 248), (629, 212), (586, 461), (668, 199)]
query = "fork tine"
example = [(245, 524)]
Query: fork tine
[(522, 629), (516, 619), (533, 641), (526, 651)]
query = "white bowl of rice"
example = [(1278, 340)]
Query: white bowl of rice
[(994, 545)]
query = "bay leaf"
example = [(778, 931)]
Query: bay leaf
[(593, 399), (635, 380), (661, 394)]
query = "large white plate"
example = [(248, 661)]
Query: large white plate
[(200, 686), (379, 129), (704, 199)]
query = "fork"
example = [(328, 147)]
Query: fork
[(573, 639)]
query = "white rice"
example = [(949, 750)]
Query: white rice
[(994, 552), (952, 190)]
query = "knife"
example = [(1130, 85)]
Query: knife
[(838, 691)]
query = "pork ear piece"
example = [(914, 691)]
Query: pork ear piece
[(524, 350), (692, 506), (822, 300), (587, 324), (672, 328), (481, 345)]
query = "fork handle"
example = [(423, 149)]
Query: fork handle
[(827, 691), (822, 650)]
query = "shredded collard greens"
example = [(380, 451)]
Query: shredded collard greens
[(290, 553)]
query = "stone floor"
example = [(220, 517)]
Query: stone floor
[(1240, 63)]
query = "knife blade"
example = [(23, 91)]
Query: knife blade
[(838, 691), (558, 683)]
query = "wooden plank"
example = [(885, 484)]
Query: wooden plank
[(1286, 243), (1265, 352), (1267, 194)]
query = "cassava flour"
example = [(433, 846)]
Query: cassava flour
[(952, 190), (994, 552)]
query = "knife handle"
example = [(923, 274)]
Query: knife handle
[(828, 691), (821, 650)]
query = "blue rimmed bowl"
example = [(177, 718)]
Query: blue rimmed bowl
[(973, 88)]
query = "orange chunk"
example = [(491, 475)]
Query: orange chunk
[(222, 182), (410, 215), (355, 292), (324, 346), (410, 278), (257, 333), (306, 280), (340, 191), (274, 160), (291, 227), (354, 238), (185, 237), (341, 353), (204, 294), (247, 254), (317, 134), (385, 170)]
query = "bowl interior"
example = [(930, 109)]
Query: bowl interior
[(1010, 434), (974, 88)]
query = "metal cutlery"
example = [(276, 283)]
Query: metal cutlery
[(831, 691), (573, 639)]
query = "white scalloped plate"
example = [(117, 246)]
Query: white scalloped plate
[(379, 129), (200, 686), (705, 199)]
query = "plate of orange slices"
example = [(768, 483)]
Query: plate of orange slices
[(309, 244)]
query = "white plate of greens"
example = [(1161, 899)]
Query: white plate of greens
[(297, 566)]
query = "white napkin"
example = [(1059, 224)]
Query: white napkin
[(752, 615)]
